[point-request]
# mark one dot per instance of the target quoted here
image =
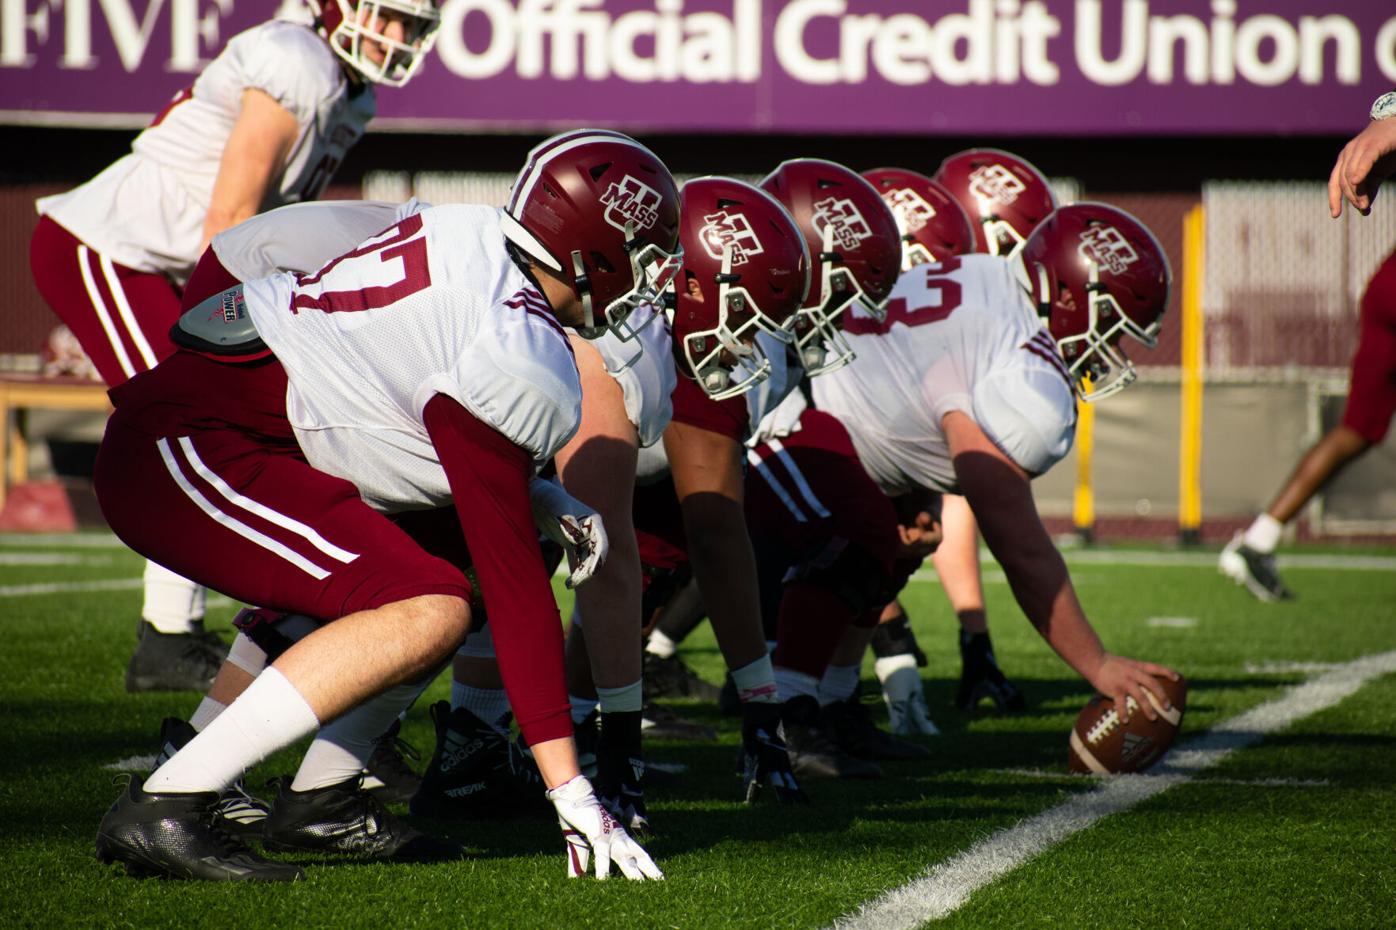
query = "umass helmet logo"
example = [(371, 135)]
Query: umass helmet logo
[(1108, 248), (723, 230), (995, 183), (910, 208), (631, 200), (839, 214)]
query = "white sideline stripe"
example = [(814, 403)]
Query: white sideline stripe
[(103, 312), (51, 558), (1177, 623), (266, 513), (946, 886), (70, 587), (1288, 668), (105, 540), (256, 537), (1230, 782), (123, 307), (1371, 563)]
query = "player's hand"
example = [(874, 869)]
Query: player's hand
[(572, 525), (590, 830), (1363, 164), (906, 701), (1120, 679), (765, 760), (920, 538)]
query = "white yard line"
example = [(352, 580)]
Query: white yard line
[(1176, 623), (1289, 668), (70, 540), (946, 886), (51, 558), (70, 587)]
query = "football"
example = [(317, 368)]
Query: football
[(1100, 745)]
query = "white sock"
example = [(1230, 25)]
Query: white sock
[(268, 716), (205, 713), (489, 704), (581, 707), (756, 681), (342, 748), (620, 700), (791, 684), (1263, 535), (247, 655), (660, 645), (172, 602), (839, 683)]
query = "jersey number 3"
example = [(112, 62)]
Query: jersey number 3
[(403, 244), (898, 311)]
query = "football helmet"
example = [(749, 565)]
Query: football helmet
[(600, 211), (1097, 274), (348, 25), (1004, 196), (745, 270), (933, 224), (853, 238)]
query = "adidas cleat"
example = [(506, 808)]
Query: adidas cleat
[(476, 770), (346, 819), (388, 773), (1254, 570), (174, 661), (240, 813)]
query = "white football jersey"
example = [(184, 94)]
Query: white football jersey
[(146, 211), (644, 369), (961, 335), (303, 237), (433, 305)]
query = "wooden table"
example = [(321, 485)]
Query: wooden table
[(21, 393)]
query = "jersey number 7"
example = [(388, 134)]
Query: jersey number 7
[(404, 244)]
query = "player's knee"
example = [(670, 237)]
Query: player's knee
[(440, 623)]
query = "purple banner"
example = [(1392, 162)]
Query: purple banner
[(1076, 67)]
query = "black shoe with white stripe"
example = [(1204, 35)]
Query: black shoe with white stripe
[(1254, 570), (239, 812)]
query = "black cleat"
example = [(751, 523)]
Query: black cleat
[(179, 836), (660, 722), (346, 819), (240, 813), (174, 661), (981, 678), (388, 773), (476, 771), (813, 754), (670, 677), (849, 723), (1253, 569)]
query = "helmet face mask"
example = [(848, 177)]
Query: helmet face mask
[(855, 238), (727, 360), (353, 28), (652, 271), (745, 272), (1097, 275)]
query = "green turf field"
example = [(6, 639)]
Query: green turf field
[(1295, 829)]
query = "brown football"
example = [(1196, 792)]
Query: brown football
[(1100, 745)]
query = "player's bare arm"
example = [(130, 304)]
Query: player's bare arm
[(1363, 164), (707, 472), (253, 157), (598, 467), (998, 490)]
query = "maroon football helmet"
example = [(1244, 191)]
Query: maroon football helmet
[(853, 237), (347, 24), (1097, 274), (601, 211), (933, 224), (1004, 196), (746, 270)]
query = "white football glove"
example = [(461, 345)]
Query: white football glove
[(901, 689), (589, 829), (572, 525)]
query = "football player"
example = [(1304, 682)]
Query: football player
[(266, 123), (745, 271), (426, 367), (968, 385), (1361, 167), (1005, 197)]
